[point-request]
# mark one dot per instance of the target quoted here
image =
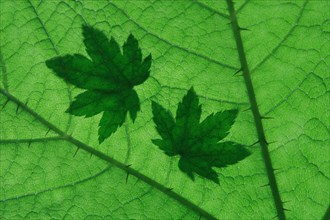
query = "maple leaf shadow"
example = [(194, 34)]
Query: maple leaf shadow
[(220, 155), (108, 75), (197, 143)]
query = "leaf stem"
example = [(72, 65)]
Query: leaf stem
[(256, 113), (116, 163)]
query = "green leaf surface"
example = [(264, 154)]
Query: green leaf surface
[(192, 43), (197, 143)]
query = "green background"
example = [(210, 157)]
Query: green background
[(192, 44)]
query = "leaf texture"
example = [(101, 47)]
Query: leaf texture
[(192, 44)]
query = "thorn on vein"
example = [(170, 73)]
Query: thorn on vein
[(17, 108), (127, 177), (248, 109), (75, 153), (265, 185), (47, 132), (244, 29), (237, 71), (266, 117), (254, 143), (286, 201), (4, 105), (272, 142)]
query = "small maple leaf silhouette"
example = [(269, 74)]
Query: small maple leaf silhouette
[(109, 78), (197, 143)]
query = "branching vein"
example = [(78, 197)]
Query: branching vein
[(128, 169)]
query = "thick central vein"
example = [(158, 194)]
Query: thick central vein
[(110, 160), (256, 113)]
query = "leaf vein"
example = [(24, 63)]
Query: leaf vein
[(58, 187), (256, 113), (116, 163), (202, 5), (57, 53), (283, 39), (172, 44)]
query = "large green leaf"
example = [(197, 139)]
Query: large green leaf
[(192, 43)]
